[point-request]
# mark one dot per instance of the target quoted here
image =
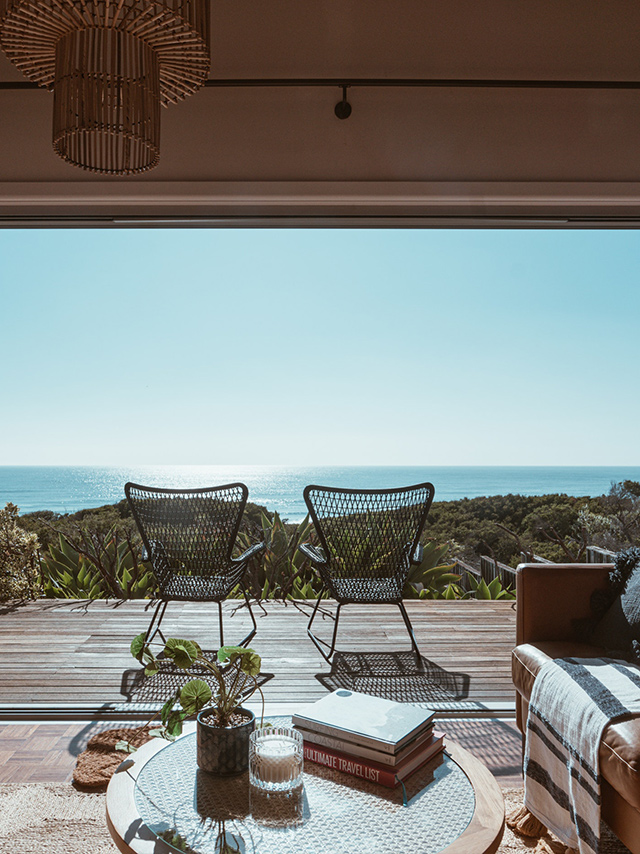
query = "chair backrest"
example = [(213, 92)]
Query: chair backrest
[(188, 531), (369, 533)]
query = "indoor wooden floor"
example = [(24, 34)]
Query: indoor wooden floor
[(63, 665), (46, 753)]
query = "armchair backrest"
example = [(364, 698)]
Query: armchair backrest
[(369, 533), (190, 531)]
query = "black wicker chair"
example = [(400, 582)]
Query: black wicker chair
[(189, 537), (369, 540)]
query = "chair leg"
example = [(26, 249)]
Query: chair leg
[(245, 640), (253, 620), (151, 631), (220, 623), (318, 642), (407, 623)]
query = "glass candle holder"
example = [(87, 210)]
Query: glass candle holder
[(275, 759)]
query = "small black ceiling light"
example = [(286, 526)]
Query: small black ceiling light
[(343, 108)]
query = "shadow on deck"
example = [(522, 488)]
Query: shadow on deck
[(396, 676), (63, 654)]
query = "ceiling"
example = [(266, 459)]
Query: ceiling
[(408, 155)]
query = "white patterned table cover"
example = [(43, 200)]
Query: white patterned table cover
[(333, 812)]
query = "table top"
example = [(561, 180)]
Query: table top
[(453, 806)]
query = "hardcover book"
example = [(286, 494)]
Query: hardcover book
[(362, 719), (374, 771), (368, 753)]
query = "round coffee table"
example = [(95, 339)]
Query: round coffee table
[(453, 806)]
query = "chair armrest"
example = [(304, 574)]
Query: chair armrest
[(315, 555), (550, 596), (252, 551), (418, 555)]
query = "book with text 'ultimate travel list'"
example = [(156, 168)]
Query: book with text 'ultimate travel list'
[(366, 720), (374, 771), (368, 753)]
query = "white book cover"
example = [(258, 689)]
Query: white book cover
[(364, 719)]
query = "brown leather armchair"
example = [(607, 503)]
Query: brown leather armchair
[(549, 598)]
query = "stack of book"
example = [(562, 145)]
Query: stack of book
[(368, 737)]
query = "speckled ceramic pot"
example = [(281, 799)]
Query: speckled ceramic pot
[(224, 751)]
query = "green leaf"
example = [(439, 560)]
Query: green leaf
[(183, 652), (494, 587), (96, 591), (168, 707), (125, 747), (229, 653), (482, 590), (157, 732), (174, 723), (138, 646), (250, 661), (69, 552), (449, 592), (194, 696)]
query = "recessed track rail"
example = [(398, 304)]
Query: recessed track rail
[(311, 221), (41, 712), (383, 82)]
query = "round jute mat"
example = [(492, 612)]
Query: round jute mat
[(55, 818)]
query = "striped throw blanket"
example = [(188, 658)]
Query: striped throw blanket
[(572, 701)]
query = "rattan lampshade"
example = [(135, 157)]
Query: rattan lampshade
[(110, 65)]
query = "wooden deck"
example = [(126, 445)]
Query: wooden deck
[(61, 661), (58, 654)]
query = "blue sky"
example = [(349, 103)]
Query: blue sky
[(304, 347)]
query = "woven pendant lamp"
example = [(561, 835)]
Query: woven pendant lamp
[(111, 65)]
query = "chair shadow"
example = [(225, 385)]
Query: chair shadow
[(395, 676), (137, 687)]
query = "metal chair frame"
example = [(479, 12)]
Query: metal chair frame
[(221, 509), (360, 506)]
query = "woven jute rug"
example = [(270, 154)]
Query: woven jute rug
[(52, 818), (55, 818)]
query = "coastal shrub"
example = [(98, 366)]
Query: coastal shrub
[(19, 576), (93, 565), (479, 589), (281, 571), (503, 526), (102, 520), (556, 527), (614, 522), (48, 525), (432, 579)]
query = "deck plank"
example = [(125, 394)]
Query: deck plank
[(63, 651)]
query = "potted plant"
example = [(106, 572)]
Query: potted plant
[(223, 725)]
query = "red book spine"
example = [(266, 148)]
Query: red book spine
[(350, 765)]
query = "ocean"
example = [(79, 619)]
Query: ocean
[(66, 489)]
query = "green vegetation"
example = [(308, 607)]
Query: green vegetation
[(98, 552), (235, 673), (95, 565), (493, 590), (556, 527), (282, 571), (19, 577), (432, 579)]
